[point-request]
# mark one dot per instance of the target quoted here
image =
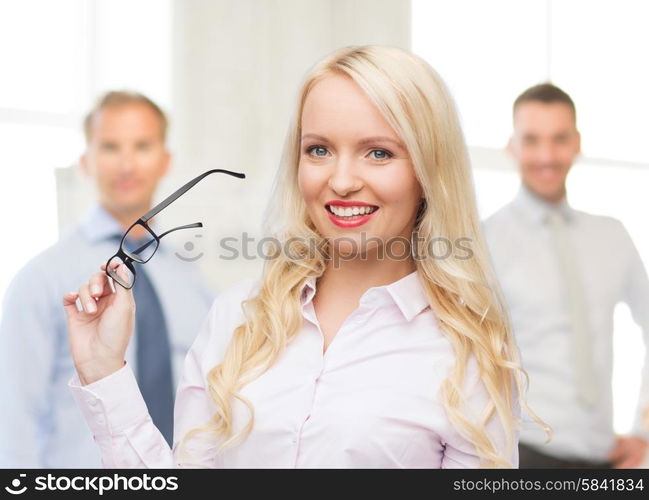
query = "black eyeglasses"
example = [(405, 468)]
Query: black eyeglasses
[(142, 251)]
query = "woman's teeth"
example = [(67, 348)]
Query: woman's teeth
[(351, 211)]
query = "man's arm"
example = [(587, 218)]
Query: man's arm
[(27, 350)]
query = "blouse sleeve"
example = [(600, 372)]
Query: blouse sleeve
[(121, 425), (459, 452)]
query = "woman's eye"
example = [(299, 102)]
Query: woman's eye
[(319, 151), (380, 154)]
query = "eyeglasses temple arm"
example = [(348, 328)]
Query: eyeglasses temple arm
[(177, 194)]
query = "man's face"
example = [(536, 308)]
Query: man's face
[(126, 156), (545, 144)]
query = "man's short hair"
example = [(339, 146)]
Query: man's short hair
[(117, 98), (547, 94)]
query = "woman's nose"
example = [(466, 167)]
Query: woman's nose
[(344, 178)]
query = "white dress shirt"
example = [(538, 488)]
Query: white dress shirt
[(370, 401), (611, 271), (40, 424)]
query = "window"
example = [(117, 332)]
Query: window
[(57, 58)]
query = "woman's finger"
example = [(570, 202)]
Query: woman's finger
[(125, 294), (87, 301), (98, 285), (70, 303)]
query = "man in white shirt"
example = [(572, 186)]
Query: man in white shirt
[(40, 425), (562, 272)]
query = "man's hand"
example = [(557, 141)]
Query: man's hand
[(628, 452)]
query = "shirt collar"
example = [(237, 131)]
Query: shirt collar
[(536, 209), (99, 225), (406, 293)]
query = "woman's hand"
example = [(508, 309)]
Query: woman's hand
[(100, 332)]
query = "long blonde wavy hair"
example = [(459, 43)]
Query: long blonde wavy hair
[(463, 293)]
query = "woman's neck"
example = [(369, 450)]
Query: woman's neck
[(359, 275)]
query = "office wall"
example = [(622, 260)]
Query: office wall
[(237, 66)]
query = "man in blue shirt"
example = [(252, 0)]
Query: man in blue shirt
[(40, 425)]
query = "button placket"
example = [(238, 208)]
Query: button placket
[(317, 361)]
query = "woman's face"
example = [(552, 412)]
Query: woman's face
[(352, 163)]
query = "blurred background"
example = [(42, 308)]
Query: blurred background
[(226, 72)]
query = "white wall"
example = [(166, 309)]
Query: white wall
[(237, 66)]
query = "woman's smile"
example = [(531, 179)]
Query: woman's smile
[(349, 221), (350, 213)]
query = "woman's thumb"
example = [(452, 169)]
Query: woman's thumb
[(124, 295)]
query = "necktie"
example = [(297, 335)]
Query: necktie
[(576, 302), (153, 353)]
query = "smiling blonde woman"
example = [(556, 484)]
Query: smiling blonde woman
[(350, 351)]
